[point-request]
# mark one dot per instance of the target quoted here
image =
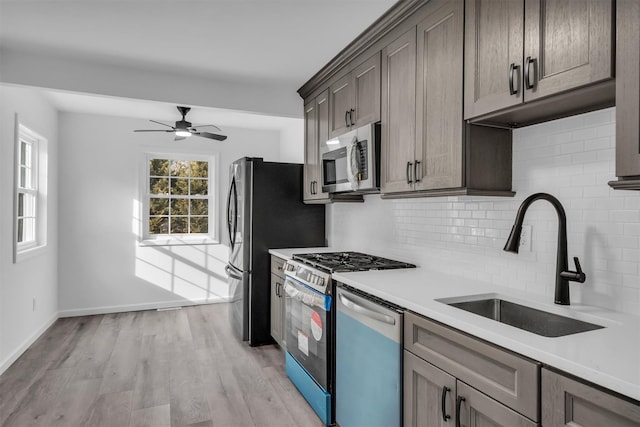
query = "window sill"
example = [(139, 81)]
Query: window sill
[(179, 241), (29, 253)]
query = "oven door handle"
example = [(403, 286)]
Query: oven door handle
[(307, 297), (365, 311)]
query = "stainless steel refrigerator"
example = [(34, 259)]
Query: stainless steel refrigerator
[(264, 211)]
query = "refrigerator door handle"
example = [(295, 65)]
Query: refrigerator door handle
[(231, 273), (232, 221)]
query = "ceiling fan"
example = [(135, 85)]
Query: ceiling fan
[(183, 129)]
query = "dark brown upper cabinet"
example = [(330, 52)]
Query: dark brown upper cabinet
[(627, 96), (354, 98), (316, 128), (524, 59), (427, 148)]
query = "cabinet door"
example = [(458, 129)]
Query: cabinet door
[(493, 55), (316, 120), (479, 410), (439, 124), (429, 394), (340, 103), (568, 44), (310, 148), (366, 90), (566, 402), (628, 91), (398, 113), (277, 309)]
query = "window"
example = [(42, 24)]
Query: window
[(30, 188), (179, 203)]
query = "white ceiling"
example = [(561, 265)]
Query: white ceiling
[(280, 41)]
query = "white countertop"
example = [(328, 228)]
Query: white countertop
[(609, 357)]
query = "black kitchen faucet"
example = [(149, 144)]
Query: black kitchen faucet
[(563, 274)]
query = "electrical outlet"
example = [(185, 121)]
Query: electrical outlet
[(525, 239)]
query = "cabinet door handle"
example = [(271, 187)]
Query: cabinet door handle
[(416, 176), (346, 117), (279, 289), (528, 73), (512, 68), (351, 112), (445, 417), (458, 406), (409, 180)]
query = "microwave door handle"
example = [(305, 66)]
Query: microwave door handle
[(366, 312)]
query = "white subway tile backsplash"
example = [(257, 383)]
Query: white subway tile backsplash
[(571, 158)]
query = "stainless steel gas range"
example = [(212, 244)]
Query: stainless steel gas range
[(311, 319)]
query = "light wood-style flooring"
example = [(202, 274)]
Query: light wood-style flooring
[(149, 368)]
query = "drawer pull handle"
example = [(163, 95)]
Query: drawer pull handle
[(512, 89), (527, 72), (409, 180), (458, 406), (445, 417)]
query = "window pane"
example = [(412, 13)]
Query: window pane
[(29, 229), (179, 225), (180, 186), (200, 169), (20, 230), (199, 224), (24, 153), (23, 177), (199, 187), (179, 168), (199, 207), (159, 207), (159, 185), (20, 204), (29, 204), (159, 167), (159, 225), (179, 206)]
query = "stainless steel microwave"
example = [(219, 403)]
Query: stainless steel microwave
[(351, 162)]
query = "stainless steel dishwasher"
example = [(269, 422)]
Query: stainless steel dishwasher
[(368, 360)]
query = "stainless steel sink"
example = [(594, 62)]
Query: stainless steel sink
[(527, 318)]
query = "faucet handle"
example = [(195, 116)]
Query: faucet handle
[(575, 276)]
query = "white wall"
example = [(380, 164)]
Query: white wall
[(573, 159), (292, 142), (102, 267), (35, 277)]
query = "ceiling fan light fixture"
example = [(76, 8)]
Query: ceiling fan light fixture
[(183, 133)]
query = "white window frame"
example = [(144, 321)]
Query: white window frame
[(35, 189), (211, 237)]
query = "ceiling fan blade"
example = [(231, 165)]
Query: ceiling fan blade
[(152, 130), (163, 124), (195, 128), (211, 136)]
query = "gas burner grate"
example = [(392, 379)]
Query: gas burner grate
[(334, 262)]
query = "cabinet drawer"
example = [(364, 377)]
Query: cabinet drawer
[(505, 376), (566, 402), (277, 266)]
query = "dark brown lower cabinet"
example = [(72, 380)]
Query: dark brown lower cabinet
[(571, 403), (434, 398), (429, 394)]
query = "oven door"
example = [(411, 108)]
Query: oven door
[(308, 328)]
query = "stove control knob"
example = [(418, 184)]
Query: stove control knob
[(320, 281)]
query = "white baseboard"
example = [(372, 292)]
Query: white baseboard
[(4, 365), (138, 307)]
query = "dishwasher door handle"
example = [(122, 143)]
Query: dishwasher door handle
[(366, 311)]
